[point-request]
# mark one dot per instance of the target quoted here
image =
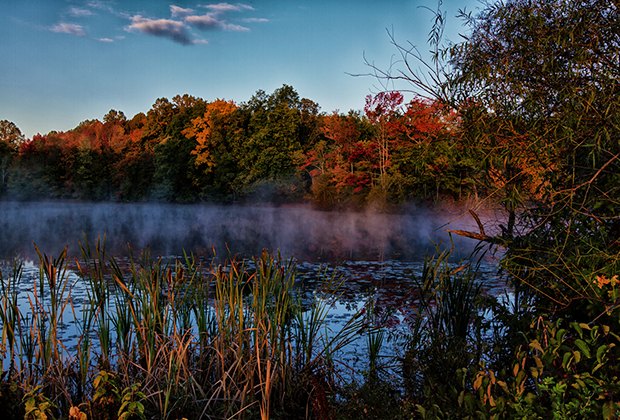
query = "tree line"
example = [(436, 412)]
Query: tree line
[(276, 146)]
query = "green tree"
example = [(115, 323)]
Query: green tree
[(271, 149), (174, 169), (540, 100), (11, 138)]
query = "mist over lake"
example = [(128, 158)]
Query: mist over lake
[(167, 229)]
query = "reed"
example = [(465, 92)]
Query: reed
[(171, 338), (445, 333), (10, 315)]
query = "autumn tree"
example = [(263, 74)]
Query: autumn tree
[(384, 111), (544, 108), (157, 119), (341, 164), (214, 134), (210, 131), (10, 134), (428, 163)]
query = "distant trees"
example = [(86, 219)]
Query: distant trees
[(215, 134), (272, 148), (11, 138), (174, 170), (10, 134), (384, 111), (275, 146)]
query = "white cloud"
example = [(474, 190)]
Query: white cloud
[(177, 11), (182, 21), (234, 28), (68, 28), (203, 21), (255, 20), (167, 28), (209, 21), (107, 40), (228, 7), (100, 5)]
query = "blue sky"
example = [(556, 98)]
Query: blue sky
[(65, 61)]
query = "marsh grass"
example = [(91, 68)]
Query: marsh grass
[(171, 339)]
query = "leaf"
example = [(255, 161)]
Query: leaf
[(583, 347), (560, 334), (585, 326), (538, 362), (515, 369), (478, 382), (600, 352), (580, 384), (597, 367), (536, 346), (503, 385), (609, 410)]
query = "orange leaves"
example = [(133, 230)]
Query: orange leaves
[(424, 121), (341, 129), (359, 152), (384, 106), (209, 129), (603, 281)]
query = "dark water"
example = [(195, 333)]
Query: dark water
[(372, 252)]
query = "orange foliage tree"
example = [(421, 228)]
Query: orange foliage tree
[(209, 131)]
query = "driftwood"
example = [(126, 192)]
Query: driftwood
[(481, 236)]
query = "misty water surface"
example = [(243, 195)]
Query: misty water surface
[(167, 229)]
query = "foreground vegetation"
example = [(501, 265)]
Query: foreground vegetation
[(167, 341), (173, 339)]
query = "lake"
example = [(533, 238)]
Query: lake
[(376, 255)]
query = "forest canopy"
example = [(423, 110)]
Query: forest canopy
[(276, 146)]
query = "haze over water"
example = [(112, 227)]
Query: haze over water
[(167, 229)]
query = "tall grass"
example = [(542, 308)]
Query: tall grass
[(169, 339), (446, 333)]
